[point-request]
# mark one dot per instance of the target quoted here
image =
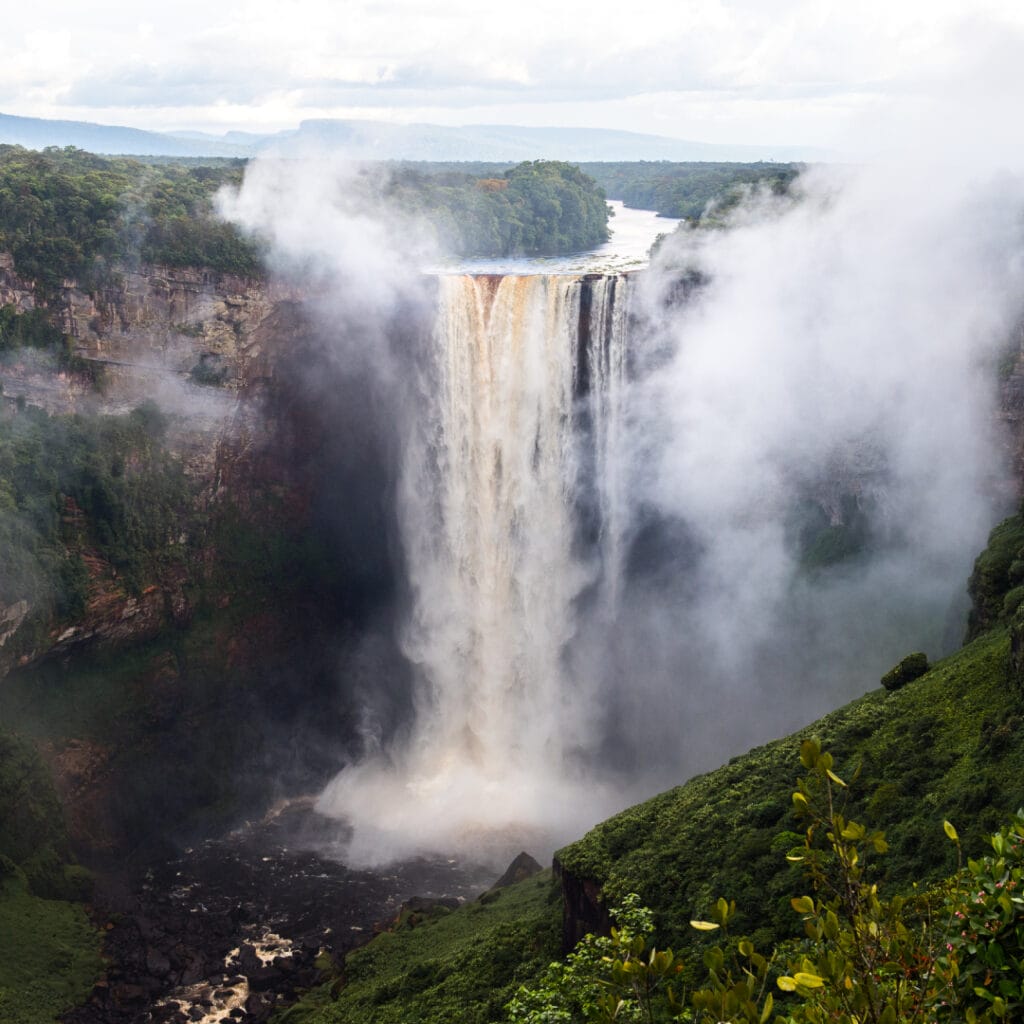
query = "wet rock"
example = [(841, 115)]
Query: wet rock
[(156, 963), (128, 995), (194, 972), (265, 979), (249, 962), (259, 1007), (179, 927)]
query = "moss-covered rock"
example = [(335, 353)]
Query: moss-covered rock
[(912, 667)]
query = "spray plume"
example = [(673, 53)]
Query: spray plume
[(602, 515)]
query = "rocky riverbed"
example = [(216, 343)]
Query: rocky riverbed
[(237, 925)]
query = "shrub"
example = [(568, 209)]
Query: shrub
[(912, 667)]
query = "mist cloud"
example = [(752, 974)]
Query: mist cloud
[(844, 348)]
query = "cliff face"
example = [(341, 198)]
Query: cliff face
[(171, 699), (156, 323), (203, 346)]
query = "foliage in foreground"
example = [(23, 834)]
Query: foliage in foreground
[(955, 954)]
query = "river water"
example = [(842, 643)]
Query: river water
[(633, 234)]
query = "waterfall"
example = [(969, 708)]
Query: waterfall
[(517, 426)]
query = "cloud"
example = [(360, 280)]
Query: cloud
[(193, 84), (761, 71)]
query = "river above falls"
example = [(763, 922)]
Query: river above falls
[(633, 234)]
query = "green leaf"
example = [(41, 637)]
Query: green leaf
[(950, 831), (704, 926), (769, 1003), (786, 983), (808, 980), (809, 751), (722, 910), (802, 904), (835, 778)]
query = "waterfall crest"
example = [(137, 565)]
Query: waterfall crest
[(516, 432)]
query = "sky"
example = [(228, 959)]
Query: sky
[(854, 77)]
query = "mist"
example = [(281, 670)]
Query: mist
[(841, 355), (826, 376)]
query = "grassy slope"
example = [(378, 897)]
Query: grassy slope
[(49, 952), (948, 745), (49, 955), (462, 966)]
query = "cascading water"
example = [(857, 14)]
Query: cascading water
[(518, 426)]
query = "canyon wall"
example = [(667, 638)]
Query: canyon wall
[(203, 346)]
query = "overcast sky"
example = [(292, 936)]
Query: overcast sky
[(850, 75)]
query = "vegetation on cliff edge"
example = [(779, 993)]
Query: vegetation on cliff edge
[(70, 215), (543, 207), (685, 189)]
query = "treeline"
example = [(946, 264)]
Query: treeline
[(543, 207), (68, 214), (691, 191), (684, 190)]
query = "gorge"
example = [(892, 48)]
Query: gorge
[(477, 559)]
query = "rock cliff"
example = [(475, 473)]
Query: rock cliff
[(201, 344)]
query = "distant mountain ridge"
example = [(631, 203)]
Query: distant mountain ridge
[(380, 140), (38, 133)]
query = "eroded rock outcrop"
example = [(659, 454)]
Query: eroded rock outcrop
[(582, 910)]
